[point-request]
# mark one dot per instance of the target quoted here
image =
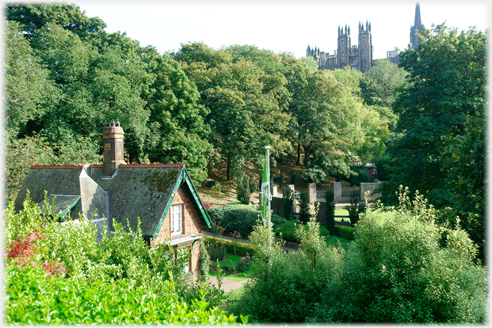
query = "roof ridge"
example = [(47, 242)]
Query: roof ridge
[(61, 166)]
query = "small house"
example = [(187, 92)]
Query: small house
[(161, 196)]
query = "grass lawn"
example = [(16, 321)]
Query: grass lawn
[(341, 212), (237, 277)]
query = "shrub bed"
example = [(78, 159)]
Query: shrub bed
[(240, 219), (241, 248), (345, 232), (288, 228)]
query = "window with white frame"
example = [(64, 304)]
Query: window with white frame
[(176, 220)]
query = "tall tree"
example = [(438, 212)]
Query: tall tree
[(387, 78), (244, 116), (32, 17), (176, 116), (29, 91), (442, 110)]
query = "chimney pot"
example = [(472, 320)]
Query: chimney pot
[(113, 148)]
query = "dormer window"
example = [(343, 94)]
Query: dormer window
[(176, 220)]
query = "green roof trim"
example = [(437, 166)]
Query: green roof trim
[(197, 198), (61, 203), (68, 210), (186, 177), (168, 205)]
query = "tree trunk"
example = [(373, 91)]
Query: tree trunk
[(306, 155), (228, 168), (298, 153)]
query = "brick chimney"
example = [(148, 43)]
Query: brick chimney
[(113, 148)]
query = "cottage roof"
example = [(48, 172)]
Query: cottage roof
[(143, 191), (61, 203), (55, 179)]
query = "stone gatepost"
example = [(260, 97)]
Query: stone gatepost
[(296, 203), (312, 193), (337, 186)]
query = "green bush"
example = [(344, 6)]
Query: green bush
[(288, 228), (405, 268), (304, 207), (288, 197), (204, 261), (345, 232), (330, 211), (359, 175), (241, 248), (239, 218), (286, 288), (243, 191), (216, 250), (401, 268), (244, 263), (353, 208), (59, 274)]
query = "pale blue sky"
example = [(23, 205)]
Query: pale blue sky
[(279, 25)]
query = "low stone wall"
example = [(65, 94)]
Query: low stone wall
[(369, 186)]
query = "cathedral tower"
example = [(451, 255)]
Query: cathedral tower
[(365, 47), (343, 47), (414, 40)]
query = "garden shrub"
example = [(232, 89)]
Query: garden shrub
[(401, 268), (287, 286), (330, 211), (241, 248), (353, 208), (304, 207), (359, 174), (406, 268), (288, 198), (134, 283), (345, 232), (204, 261), (244, 263), (243, 191), (289, 228), (239, 219), (216, 249)]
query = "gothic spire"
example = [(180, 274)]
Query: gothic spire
[(418, 23)]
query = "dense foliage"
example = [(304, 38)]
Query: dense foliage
[(402, 267), (58, 274), (440, 146), (66, 77), (330, 211), (240, 219)]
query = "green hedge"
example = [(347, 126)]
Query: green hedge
[(345, 232), (240, 219), (241, 248)]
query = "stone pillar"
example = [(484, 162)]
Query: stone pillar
[(312, 193), (296, 203), (274, 191), (337, 186)]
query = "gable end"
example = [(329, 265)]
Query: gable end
[(186, 178)]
